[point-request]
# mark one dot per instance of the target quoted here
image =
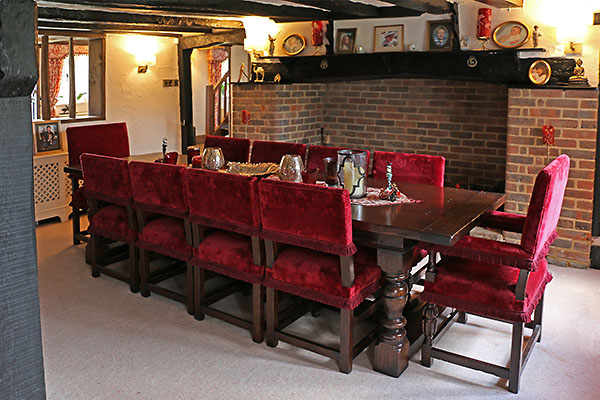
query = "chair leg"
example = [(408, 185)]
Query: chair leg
[(430, 313), (346, 340), (258, 313), (76, 225), (199, 291), (94, 246), (272, 316), (516, 352), (144, 271), (537, 316), (462, 317), (189, 287), (134, 272)]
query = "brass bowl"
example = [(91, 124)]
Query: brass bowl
[(252, 169)]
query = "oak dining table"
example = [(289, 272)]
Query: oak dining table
[(440, 215)]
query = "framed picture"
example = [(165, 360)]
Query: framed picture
[(439, 35), (47, 136), (511, 34), (293, 44), (389, 38), (345, 41), (539, 72)]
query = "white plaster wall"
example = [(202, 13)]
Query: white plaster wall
[(150, 111), (199, 82)]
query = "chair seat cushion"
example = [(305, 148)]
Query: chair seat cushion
[(78, 199), (485, 289), (316, 276), (111, 222), (165, 235), (230, 254)]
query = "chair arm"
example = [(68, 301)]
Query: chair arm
[(505, 221), (489, 251)]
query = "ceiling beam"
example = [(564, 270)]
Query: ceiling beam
[(109, 26), (70, 15), (429, 6), (212, 39), (503, 3), (344, 9)]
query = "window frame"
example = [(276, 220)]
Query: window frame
[(96, 76)]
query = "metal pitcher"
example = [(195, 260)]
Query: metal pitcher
[(352, 169), (290, 168)]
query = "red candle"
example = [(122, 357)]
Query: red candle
[(484, 23)]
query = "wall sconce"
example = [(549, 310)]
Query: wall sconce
[(260, 34), (144, 49)]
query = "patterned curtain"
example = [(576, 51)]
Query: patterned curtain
[(57, 53), (215, 58)]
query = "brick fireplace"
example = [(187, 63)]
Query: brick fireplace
[(490, 134)]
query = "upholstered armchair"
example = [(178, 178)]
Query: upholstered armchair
[(268, 151), (498, 280), (234, 149)]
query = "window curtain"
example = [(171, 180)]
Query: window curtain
[(215, 59), (57, 53)]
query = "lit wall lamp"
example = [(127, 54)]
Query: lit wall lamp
[(260, 35), (144, 61), (144, 49)]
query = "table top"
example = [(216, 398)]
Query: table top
[(150, 157), (442, 216)]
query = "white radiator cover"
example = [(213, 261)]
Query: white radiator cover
[(51, 187)]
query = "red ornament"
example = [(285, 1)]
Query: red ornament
[(245, 117), (317, 33), (484, 23), (548, 135)]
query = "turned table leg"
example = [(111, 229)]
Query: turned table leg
[(392, 347)]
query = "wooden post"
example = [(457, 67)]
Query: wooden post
[(44, 79), (97, 78), (72, 93)]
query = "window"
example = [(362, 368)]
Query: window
[(72, 74)]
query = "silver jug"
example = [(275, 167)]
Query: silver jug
[(290, 168), (352, 169)]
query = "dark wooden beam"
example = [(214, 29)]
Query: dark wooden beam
[(109, 26), (70, 15), (430, 6), (212, 39), (344, 9)]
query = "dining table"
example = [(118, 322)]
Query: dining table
[(439, 215)]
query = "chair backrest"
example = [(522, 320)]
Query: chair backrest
[(158, 188), (317, 153), (411, 168), (545, 206), (234, 149), (106, 178), (104, 139), (224, 201), (267, 151), (316, 217)]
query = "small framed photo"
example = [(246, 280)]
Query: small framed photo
[(389, 38), (47, 136), (293, 44), (439, 35), (511, 34), (346, 40), (539, 72)]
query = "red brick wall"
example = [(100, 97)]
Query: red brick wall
[(573, 113), (287, 113), (462, 121)]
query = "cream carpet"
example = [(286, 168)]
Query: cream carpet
[(103, 342)]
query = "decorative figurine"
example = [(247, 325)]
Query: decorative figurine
[(259, 72), (277, 78), (164, 147), (578, 77), (391, 191), (271, 45), (535, 35)]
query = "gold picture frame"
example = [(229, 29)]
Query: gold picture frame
[(345, 41), (511, 34), (440, 35), (388, 38), (293, 44), (540, 72)]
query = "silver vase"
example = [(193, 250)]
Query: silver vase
[(212, 159), (290, 168)]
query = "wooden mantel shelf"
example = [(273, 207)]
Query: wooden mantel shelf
[(498, 66)]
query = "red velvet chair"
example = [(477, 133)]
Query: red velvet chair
[(320, 262), (105, 139), (316, 154), (160, 201), (226, 222), (267, 151), (234, 149), (499, 280), (108, 190), (412, 168)]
